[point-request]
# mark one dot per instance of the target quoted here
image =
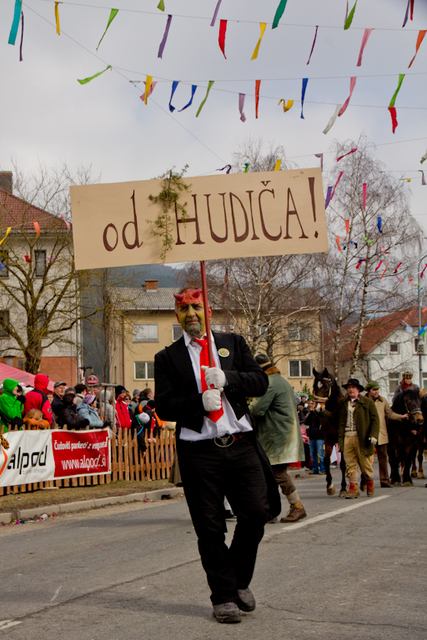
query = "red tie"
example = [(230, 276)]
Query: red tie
[(204, 361)]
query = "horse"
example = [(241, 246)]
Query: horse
[(327, 394), (421, 443), (403, 436)]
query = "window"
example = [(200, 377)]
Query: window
[(4, 271), (255, 332), (144, 370), (4, 323), (394, 347), (300, 368), (144, 332), (40, 260), (20, 364), (393, 381), (228, 328), (299, 332), (177, 331), (41, 319)]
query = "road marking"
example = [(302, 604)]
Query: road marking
[(325, 516), (5, 624)]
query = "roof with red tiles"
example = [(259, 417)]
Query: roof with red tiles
[(20, 215), (376, 331)]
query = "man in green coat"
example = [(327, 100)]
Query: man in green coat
[(11, 405), (277, 428), (358, 429)]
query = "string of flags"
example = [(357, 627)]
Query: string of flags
[(340, 110)]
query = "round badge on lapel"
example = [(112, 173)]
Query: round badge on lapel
[(224, 353)]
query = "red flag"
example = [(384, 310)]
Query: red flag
[(257, 86), (393, 118), (221, 37)]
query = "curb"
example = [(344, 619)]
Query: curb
[(68, 507)]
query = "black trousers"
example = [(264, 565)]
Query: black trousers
[(208, 474)]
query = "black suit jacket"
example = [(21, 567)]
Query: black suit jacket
[(177, 396)]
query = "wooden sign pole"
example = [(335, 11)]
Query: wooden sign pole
[(206, 306)]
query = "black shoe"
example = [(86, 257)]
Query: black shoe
[(386, 485), (227, 612), (246, 600)]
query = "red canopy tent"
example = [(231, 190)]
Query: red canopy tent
[(23, 377)]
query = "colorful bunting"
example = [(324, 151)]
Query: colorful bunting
[(395, 271), (214, 17), (303, 89), (147, 88), (423, 179), (424, 158), (227, 166), (153, 84), (279, 13), (355, 244), (347, 227), (263, 26), (15, 22), (384, 251), (277, 165), (221, 36), (161, 5), (346, 154), (257, 86), (422, 272), (328, 197), (113, 14), (333, 119), (27, 259), (423, 310), (175, 83), (337, 238), (66, 222), (241, 105), (394, 122), (312, 46), (360, 262), (379, 220), (286, 107), (350, 17), (336, 184), (365, 39), (382, 276), (320, 155), (86, 80), (245, 170), (408, 327), (202, 104), (422, 331), (7, 233), (36, 227), (58, 28), (22, 37), (345, 105), (165, 37), (379, 264), (420, 38), (410, 3), (399, 84), (364, 195), (190, 102)]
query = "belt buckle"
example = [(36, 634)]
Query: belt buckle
[(224, 441)]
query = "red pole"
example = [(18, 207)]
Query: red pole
[(206, 306)]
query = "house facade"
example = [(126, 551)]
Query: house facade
[(390, 345), (38, 294), (146, 323)]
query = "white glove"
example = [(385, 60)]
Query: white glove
[(211, 400), (373, 440), (214, 376), (143, 417), (319, 408)]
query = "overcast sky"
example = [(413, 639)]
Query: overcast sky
[(47, 115)]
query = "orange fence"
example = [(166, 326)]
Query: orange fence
[(127, 463)]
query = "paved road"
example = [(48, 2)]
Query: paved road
[(353, 569)]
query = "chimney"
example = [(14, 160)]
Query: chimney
[(151, 285), (6, 181)]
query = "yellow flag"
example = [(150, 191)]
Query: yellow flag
[(58, 30), (277, 165), (147, 87), (288, 106), (263, 26)]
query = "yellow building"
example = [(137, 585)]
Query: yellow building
[(141, 328)]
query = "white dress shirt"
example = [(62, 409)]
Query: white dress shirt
[(228, 422)]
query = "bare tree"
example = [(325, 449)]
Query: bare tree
[(259, 154), (357, 277)]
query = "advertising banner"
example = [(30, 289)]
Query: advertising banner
[(39, 456), (227, 216)]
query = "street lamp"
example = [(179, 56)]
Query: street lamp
[(420, 355)]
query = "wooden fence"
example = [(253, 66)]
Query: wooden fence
[(127, 463)]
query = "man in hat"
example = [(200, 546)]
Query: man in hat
[(405, 383), (217, 449), (58, 394), (384, 411), (358, 426), (277, 428)]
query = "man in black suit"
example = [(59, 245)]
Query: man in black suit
[(217, 450)]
